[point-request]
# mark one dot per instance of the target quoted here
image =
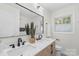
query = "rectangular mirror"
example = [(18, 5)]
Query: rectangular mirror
[(27, 16), (14, 17)]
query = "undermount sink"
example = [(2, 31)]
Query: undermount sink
[(19, 51)]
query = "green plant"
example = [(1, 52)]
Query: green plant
[(32, 30), (27, 29)]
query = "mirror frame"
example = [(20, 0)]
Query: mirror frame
[(34, 13)]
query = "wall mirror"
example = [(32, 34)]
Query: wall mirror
[(14, 17), (27, 16)]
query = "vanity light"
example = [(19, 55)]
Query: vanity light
[(38, 7)]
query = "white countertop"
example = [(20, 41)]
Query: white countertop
[(30, 49), (38, 46)]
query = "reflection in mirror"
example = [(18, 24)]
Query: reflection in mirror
[(27, 16), (17, 17)]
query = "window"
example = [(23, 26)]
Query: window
[(63, 24)]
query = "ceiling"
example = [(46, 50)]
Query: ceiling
[(25, 12), (51, 7), (54, 6)]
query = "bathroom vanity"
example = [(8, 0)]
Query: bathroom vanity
[(48, 50), (43, 47)]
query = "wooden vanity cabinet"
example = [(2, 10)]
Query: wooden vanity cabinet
[(48, 51), (53, 49)]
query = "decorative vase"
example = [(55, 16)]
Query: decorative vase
[(27, 38), (32, 40)]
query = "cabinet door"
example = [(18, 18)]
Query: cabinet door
[(45, 52), (53, 50)]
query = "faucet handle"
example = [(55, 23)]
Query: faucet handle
[(23, 42), (13, 46)]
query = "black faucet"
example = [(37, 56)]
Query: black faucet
[(19, 40), (13, 46)]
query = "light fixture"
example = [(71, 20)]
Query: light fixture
[(38, 7)]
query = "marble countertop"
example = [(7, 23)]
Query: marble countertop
[(38, 46), (29, 49)]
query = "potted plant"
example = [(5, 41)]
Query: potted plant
[(32, 33), (27, 29)]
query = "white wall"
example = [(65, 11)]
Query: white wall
[(47, 19), (68, 40), (9, 24), (9, 21)]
